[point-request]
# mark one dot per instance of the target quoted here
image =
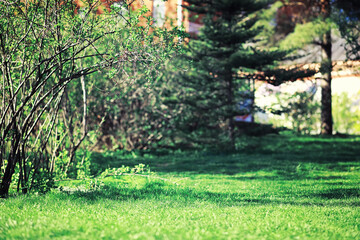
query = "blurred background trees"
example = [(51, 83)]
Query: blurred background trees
[(303, 22), (74, 81), (223, 60)]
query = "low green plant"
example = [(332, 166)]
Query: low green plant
[(346, 113), (43, 182), (299, 111), (116, 172), (83, 164)]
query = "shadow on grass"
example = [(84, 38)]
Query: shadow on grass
[(285, 166), (263, 159), (275, 153), (290, 177), (164, 192), (339, 193)]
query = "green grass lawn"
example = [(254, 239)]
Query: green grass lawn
[(276, 187)]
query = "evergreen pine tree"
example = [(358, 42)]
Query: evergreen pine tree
[(224, 58)]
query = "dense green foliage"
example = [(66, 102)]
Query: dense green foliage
[(48, 50), (125, 104), (303, 22), (43, 45), (279, 187), (222, 61)]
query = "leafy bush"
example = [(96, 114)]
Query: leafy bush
[(346, 113), (299, 111)]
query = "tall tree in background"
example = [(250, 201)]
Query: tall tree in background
[(310, 22), (326, 69), (224, 56)]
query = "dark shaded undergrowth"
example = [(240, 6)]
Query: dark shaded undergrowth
[(290, 156), (318, 196)]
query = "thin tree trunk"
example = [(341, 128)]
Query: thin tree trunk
[(10, 167), (75, 146), (326, 111), (326, 68), (230, 102)]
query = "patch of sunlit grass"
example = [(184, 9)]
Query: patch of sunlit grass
[(284, 194)]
